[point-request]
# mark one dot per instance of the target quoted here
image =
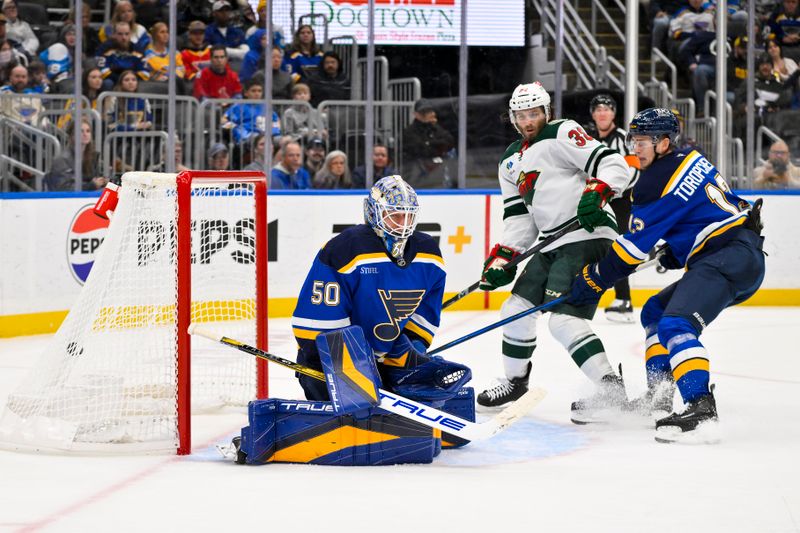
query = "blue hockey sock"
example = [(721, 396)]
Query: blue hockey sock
[(656, 357), (688, 358)]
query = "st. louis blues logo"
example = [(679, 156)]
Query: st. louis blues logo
[(526, 183), (399, 305)]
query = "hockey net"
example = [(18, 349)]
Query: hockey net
[(121, 375)]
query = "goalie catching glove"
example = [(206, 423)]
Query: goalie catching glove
[(590, 207), (494, 272), (413, 374)]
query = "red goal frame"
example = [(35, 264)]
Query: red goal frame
[(184, 182)]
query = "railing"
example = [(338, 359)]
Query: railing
[(26, 148), (581, 49), (405, 90), (346, 127), (659, 57), (381, 79), (346, 47), (599, 7), (138, 150), (708, 110)]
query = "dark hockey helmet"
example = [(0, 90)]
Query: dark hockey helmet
[(603, 99), (655, 122)]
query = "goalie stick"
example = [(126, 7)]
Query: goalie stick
[(399, 405), (574, 225)]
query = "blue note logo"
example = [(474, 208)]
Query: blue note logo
[(399, 305)]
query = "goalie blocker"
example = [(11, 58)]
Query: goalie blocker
[(349, 430)]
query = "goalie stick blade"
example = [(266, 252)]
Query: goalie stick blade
[(400, 405)]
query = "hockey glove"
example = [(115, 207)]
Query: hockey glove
[(494, 274), (433, 379), (587, 287), (590, 207), (667, 259)]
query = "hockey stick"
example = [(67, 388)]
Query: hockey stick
[(399, 405), (543, 307), (503, 322), (572, 226)]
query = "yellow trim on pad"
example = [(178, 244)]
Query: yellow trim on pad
[(349, 369), (332, 441)]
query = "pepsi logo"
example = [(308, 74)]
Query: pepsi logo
[(86, 234)]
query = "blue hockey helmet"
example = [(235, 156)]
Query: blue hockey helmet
[(391, 211), (655, 122)]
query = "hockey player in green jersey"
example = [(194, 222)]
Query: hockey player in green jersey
[(554, 174)]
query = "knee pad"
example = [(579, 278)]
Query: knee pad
[(675, 329), (523, 329), (568, 330), (652, 311)]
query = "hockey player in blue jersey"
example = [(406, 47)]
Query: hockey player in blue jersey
[(388, 279), (680, 198)]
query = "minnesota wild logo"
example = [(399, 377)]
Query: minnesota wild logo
[(526, 183)]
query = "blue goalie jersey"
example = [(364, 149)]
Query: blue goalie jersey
[(353, 281), (682, 199)]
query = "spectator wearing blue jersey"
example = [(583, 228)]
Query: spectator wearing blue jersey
[(117, 55), (289, 173), (129, 113), (784, 27), (254, 58), (124, 12), (247, 118), (58, 57), (304, 55), (222, 32), (278, 34), (710, 233)]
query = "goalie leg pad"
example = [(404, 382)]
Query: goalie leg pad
[(351, 374), (296, 431), (463, 405)]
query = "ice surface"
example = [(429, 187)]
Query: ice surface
[(543, 474)]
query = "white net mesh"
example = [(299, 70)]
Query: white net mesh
[(107, 382)]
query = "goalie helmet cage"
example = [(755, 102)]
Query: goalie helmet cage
[(120, 375)]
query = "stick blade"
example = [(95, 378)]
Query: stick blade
[(515, 411)]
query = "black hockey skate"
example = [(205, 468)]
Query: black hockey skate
[(603, 405), (620, 311), (697, 424), (505, 392)]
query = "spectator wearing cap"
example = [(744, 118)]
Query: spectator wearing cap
[(778, 172), (301, 120), (197, 53), (771, 96), (329, 82), (737, 64), (117, 55), (289, 173), (218, 157), (381, 167), (425, 145), (304, 55), (124, 12), (254, 58), (19, 30), (221, 32), (156, 57), (217, 80), (315, 155), (278, 35), (58, 58)]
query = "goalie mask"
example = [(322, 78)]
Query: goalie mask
[(529, 96), (391, 211)]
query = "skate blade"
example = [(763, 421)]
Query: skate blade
[(614, 417), (705, 433), (621, 318), (490, 408), (228, 451)]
